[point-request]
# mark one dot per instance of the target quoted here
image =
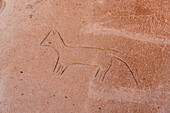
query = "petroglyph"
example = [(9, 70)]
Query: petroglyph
[(68, 55)]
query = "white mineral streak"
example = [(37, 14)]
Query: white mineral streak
[(124, 94), (97, 29)]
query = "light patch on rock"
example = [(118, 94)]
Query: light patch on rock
[(98, 29)]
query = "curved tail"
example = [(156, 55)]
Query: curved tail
[(129, 64)]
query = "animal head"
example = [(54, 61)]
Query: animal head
[(52, 39)]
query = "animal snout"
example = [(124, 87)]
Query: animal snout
[(45, 43)]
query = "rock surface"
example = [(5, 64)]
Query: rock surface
[(84, 56)]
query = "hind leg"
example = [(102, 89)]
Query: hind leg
[(102, 71)]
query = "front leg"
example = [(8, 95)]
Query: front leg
[(62, 69), (57, 66), (59, 69)]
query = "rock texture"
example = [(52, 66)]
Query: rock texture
[(84, 56)]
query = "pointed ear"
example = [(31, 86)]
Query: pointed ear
[(52, 32), (45, 38), (55, 33)]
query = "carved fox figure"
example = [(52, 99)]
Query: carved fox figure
[(100, 58)]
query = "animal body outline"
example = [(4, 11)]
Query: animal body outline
[(68, 55)]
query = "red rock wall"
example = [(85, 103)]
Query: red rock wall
[(84, 56)]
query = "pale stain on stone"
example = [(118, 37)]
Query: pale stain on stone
[(3, 79), (126, 94), (98, 29)]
